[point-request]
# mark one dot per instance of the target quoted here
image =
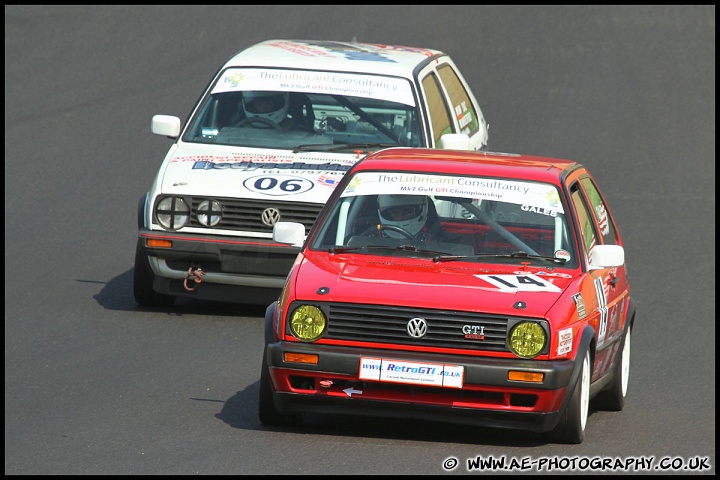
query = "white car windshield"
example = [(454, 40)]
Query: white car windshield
[(300, 110), (449, 218)]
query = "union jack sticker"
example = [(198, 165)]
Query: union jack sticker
[(602, 219), (328, 181)]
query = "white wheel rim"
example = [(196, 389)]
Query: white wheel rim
[(625, 370), (585, 391)]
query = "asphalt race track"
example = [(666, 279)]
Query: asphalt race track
[(95, 385)]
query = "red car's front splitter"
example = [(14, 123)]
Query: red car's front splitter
[(517, 408)]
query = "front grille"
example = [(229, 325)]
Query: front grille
[(245, 214), (388, 324)]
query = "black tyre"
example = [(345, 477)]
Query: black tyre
[(267, 412), (143, 283), (571, 428), (613, 399)]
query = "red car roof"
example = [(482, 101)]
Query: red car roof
[(525, 167)]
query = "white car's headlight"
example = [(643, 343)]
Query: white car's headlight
[(209, 213), (172, 213)]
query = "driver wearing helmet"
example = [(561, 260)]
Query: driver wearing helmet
[(409, 213), (266, 109)]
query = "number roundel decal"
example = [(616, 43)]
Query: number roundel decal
[(278, 185)]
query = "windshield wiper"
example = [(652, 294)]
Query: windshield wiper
[(402, 248), (332, 147), (413, 248), (520, 254), (344, 249)]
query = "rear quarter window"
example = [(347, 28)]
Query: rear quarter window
[(461, 104), (438, 112), (602, 216)]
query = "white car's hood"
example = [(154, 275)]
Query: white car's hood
[(232, 172)]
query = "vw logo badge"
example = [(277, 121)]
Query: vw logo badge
[(270, 216), (417, 327)]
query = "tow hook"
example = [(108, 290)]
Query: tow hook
[(195, 275)]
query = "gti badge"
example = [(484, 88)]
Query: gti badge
[(474, 332)]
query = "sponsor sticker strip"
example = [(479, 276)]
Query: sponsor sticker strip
[(417, 373)]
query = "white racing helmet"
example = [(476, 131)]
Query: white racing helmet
[(271, 105), (408, 212)]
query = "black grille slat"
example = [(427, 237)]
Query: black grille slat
[(387, 324), (244, 214)]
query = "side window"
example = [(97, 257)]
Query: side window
[(607, 229), (439, 115), (585, 219), (463, 108)]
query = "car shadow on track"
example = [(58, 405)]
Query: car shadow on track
[(240, 411), (117, 294)]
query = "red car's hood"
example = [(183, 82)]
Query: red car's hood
[(416, 282)]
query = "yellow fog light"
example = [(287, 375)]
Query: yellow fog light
[(527, 339), (308, 323)]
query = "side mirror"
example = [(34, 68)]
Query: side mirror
[(606, 256), (166, 125), (289, 232), (454, 141)]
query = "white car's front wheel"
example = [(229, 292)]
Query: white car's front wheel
[(143, 283)]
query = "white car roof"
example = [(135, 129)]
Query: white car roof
[(392, 60)]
